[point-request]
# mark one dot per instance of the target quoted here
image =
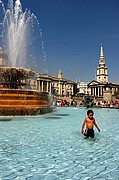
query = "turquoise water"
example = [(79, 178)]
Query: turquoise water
[(51, 146)]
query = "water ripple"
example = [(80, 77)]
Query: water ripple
[(51, 146)]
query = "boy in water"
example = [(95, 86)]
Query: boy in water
[(90, 122)]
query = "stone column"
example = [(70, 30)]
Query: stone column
[(98, 91), (42, 86), (93, 91), (64, 89), (102, 90), (38, 85), (47, 86), (50, 88), (72, 90), (59, 89)]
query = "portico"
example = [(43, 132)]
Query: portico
[(44, 83), (98, 89)]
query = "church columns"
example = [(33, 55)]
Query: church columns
[(114, 90), (100, 91), (93, 91), (97, 91)]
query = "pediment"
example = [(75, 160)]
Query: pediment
[(93, 82)]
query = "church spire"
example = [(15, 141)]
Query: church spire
[(102, 73), (101, 60)]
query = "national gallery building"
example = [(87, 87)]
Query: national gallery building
[(56, 85)]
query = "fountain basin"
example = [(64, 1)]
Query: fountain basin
[(22, 102)]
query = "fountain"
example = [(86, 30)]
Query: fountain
[(17, 36)]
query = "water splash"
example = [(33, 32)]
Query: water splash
[(21, 35)]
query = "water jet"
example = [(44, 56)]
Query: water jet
[(17, 36)]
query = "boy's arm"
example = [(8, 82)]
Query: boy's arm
[(83, 126), (96, 126)]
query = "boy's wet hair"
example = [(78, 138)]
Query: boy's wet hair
[(90, 111)]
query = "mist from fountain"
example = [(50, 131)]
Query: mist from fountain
[(21, 35)]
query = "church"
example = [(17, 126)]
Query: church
[(101, 87)]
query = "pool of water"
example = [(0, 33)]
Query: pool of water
[(51, 146)]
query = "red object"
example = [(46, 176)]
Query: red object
[(116, 102)]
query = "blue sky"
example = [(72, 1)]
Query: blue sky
[(73, 31)]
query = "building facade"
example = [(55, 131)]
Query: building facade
[(56, 85), (62, 86), (82, 88), (100, 86)]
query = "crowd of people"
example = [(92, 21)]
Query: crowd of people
[(62, 102), (105, 103)]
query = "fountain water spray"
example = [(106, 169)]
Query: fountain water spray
[(21, 35)]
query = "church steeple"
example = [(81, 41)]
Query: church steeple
[(102, 74), (102, 60)]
